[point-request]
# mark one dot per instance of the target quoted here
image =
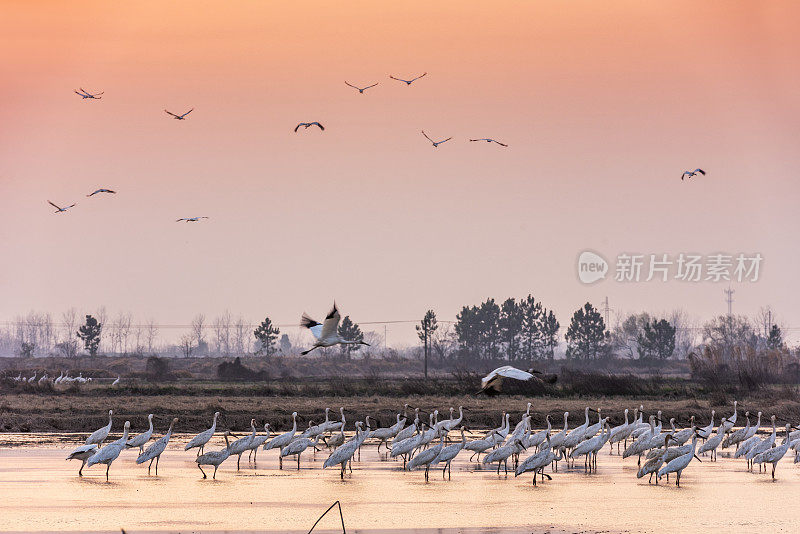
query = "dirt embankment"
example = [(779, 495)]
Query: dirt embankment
[(31, 412)]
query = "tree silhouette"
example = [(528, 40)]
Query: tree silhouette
[(266, 334), (425, 330), (657, 340), (531, 334), (549, 333), (349, 331), (775, 338), (587, 336), (510, 324), (90, 334)]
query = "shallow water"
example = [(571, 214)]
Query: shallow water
[(41, 492)]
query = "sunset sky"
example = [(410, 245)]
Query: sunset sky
[(602, 104)]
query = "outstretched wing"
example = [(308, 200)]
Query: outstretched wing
[(445, 140), (56, 207), (701, 171), (426, 137), (187, 112), (398, 79), (420, 76), (298, 126), (512, 372), (311, 324), (498, 142), (181, 219), (351, 85), (170, 113), (321, 127), (373, 85), (331, 323)]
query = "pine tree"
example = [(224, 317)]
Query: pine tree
[(587, 336), (90, 334), (531, 334), (775, 339), (349, 331), (657, 340), (549, 333), (425, 330), (265, 335), (510, 324)]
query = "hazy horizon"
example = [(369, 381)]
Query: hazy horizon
[(602, 106)]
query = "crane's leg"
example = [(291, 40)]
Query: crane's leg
[(215, 472), (201, 470), (534, 477), (80, 471), (773, 471), (341, 472), (108, 466), (449, 471), (505, 466), (239, 459), (379, 447), (678, 479), (157, 459), (280, 461), (149, 465), (298, 462)]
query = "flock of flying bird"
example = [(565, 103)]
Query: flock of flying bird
[(97, 96), (661, 450)]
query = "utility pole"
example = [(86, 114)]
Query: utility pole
[(384, 337), (606, 310), (729, 298)]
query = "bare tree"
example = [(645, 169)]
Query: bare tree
[(102, 317), (198, 325), (686, 333), (186, 345), (241, 337), (152, 332), (222, 332), (69, 321)]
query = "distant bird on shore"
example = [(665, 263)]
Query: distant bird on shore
[(435, 143), (689, 174), (408, 82), (178, 117), (115, 382), (85, 94), (101, 190), (327, 333), (59, 209), (306, 125), (360, 89), (190, 219), (491, 383), (489, 140)]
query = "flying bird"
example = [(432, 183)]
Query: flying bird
[(327, 333), (491, 383), (408, 82), (101, 190), (190, 219), (489, 140), (179, 117), (360, 89), (692, 173), (435, 143), (307, 124), (60, 210), (85, 94)]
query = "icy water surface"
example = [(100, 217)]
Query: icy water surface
[(42, 493)]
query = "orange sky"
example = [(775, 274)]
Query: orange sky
[(603, 105)]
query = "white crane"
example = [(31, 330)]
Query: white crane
[(426, 457), (43, 379), (257, 442), (761, 446), (408, 82), (489, 140), (537, 462), (619, 434), (408, 431), (654, 463), (447, 454), (679, 464), (682, 436), (60, 210), (539, 438), (642, 444), (115, 382), (774, 455), (335, 425), (282, 440), (706, 431), (360, 89), (307, 125), (298, 446), (214, 458), (387, 433), (590, 448), (101, 190), (689, 174), (478, 446), (243, 444), (83, 453), (200, 440), (344, 453), (326, 333), (178, 117), (750, 440), (110, 452), (727, 424), (336, 439), (100, 435), (557, 440), (155, 449), (143, 438), (592, 430), (435, 143), (86, 94), (737, 436), (502, 454)]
